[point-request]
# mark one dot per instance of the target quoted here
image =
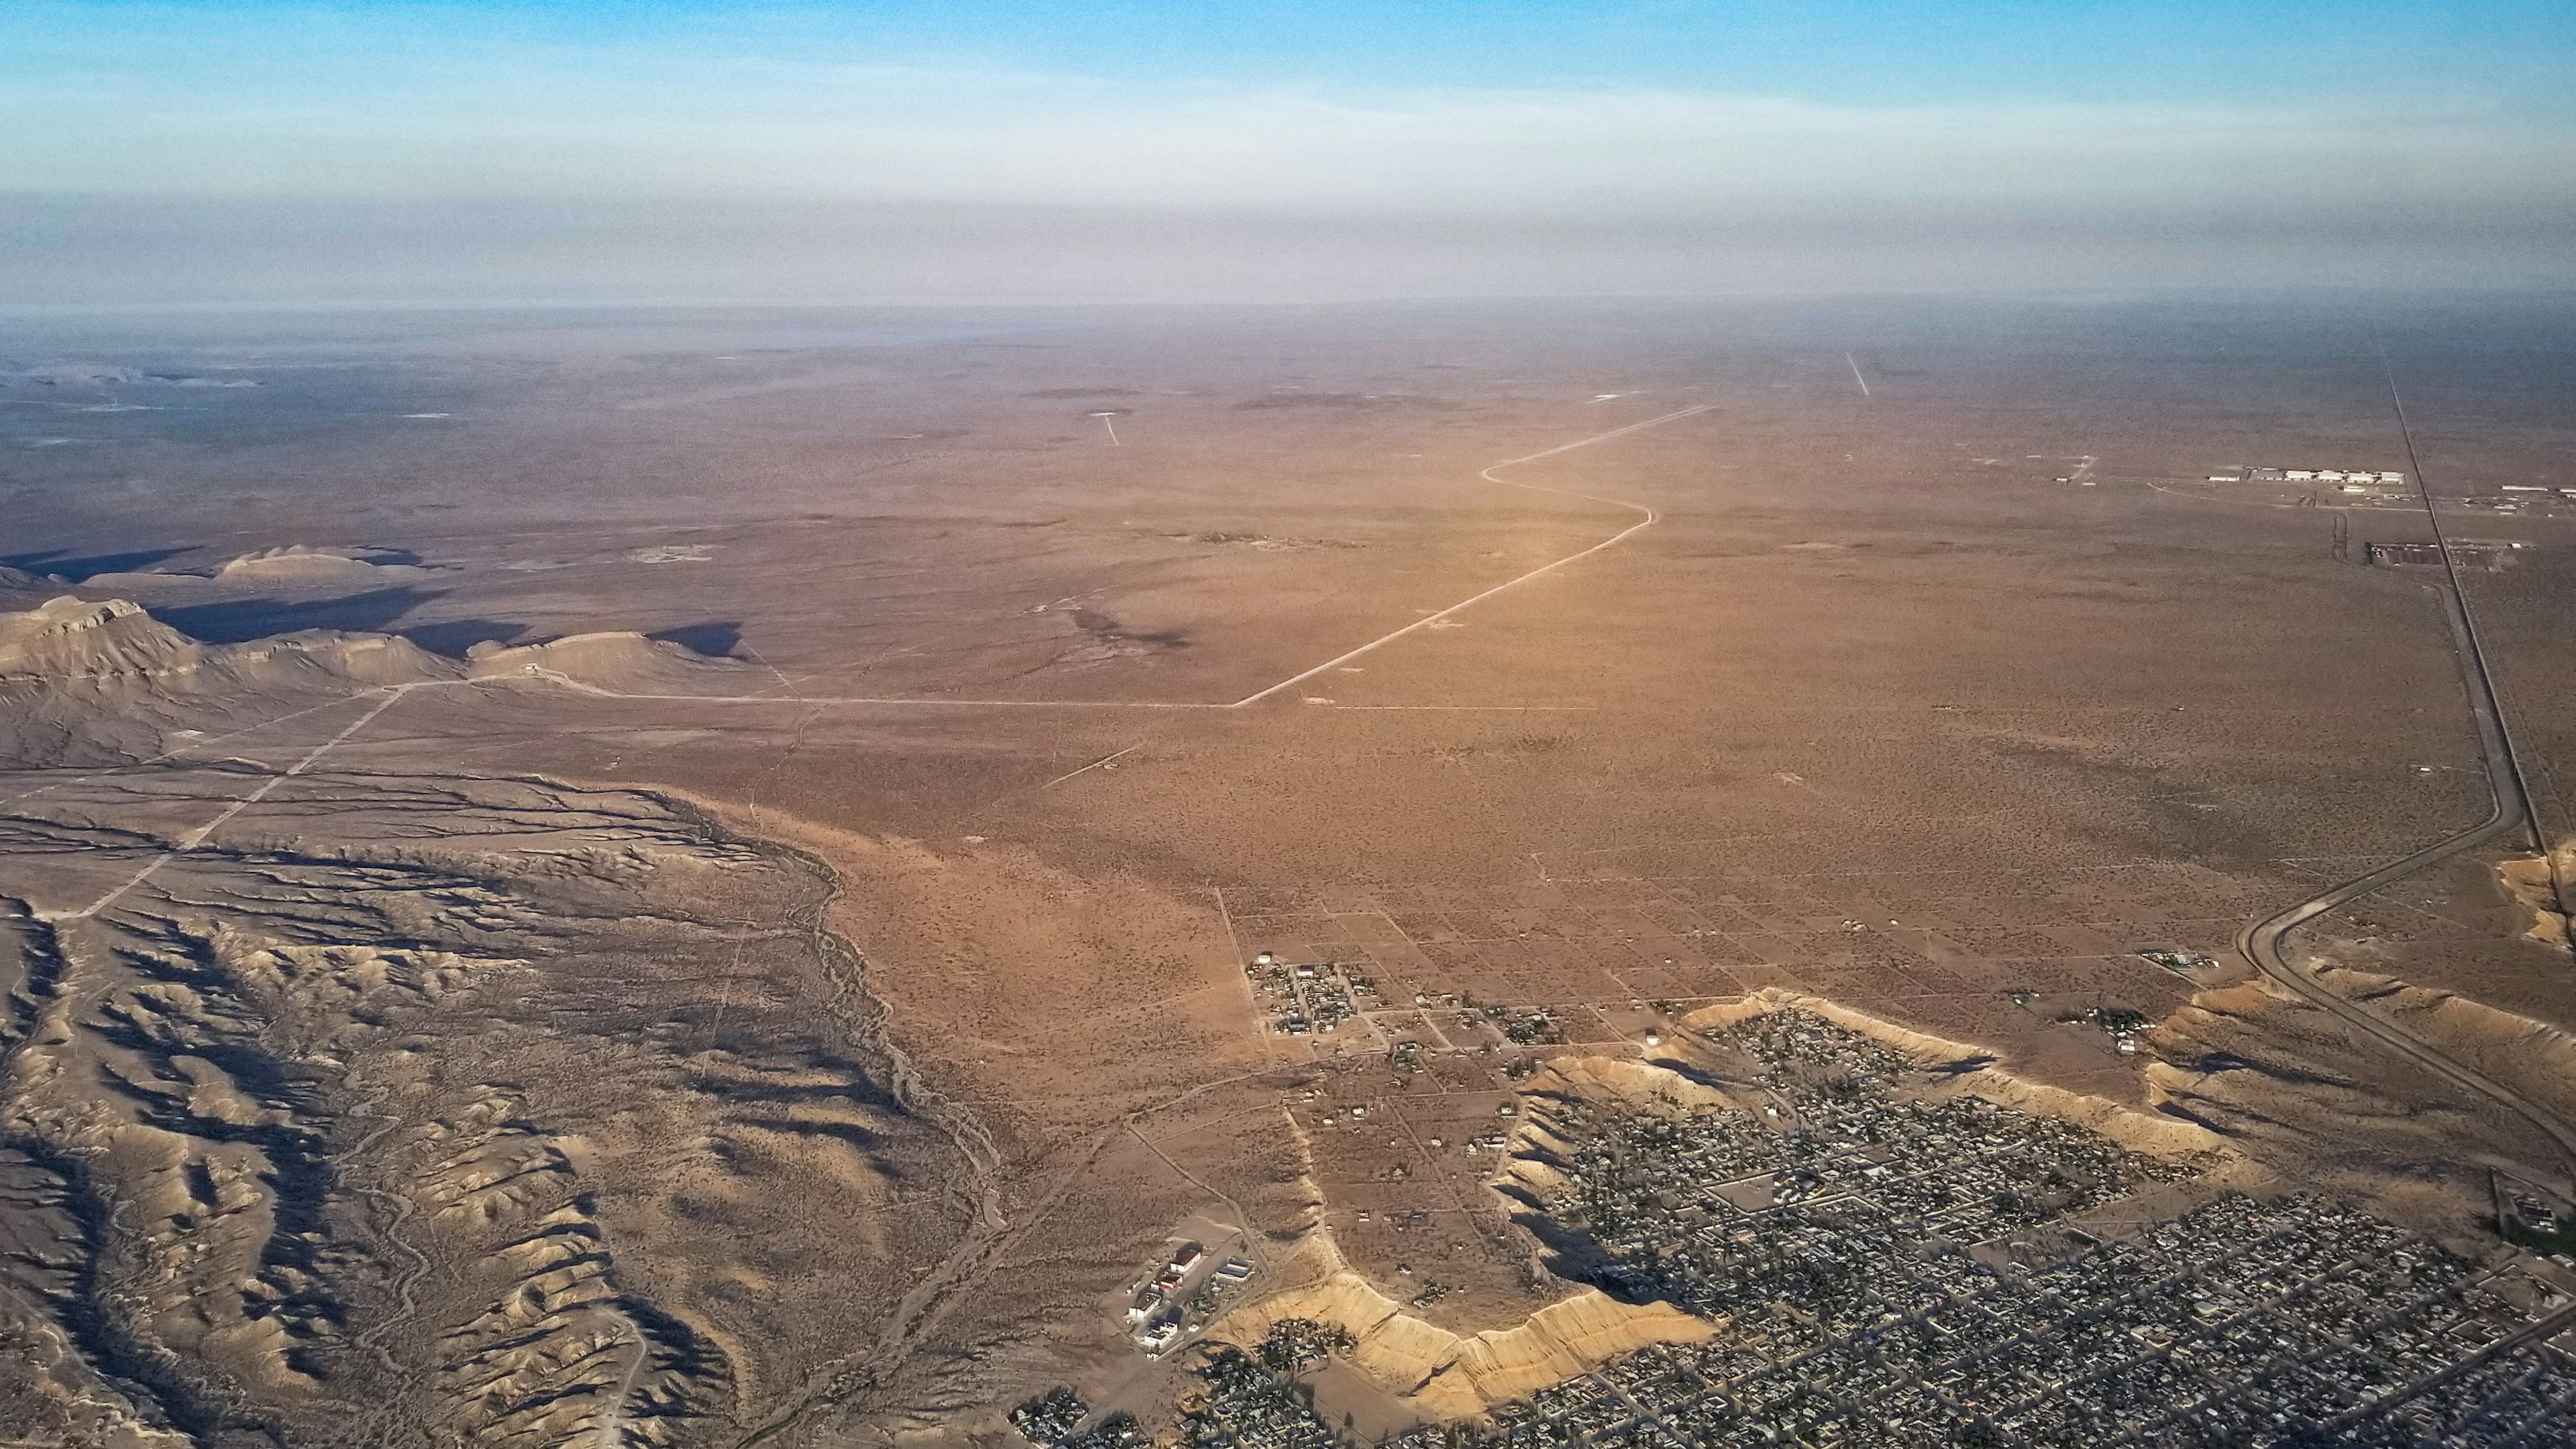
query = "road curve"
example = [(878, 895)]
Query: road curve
[(1647, 518), (2263, 941)]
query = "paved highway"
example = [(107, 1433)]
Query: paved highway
[(2262, 943)]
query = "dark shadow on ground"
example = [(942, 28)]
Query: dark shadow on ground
[(1573, 1256), (716, 638), (240, 620), (1107, 630), (60, 562), (452, 637)]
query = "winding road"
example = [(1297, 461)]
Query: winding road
[(2262, 943)]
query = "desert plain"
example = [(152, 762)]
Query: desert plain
[(726, 877)]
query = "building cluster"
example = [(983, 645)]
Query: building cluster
[(2523, 1395), (2529, 1220), (2126, 1026), (2473, 555), (1523, 1026), (1300, 1345), (2296, 1323), (2383, 485), (1245, 1403), (2191, 965), (1818, 1199), (1307, 997), (1895, 1265), (2521, 499), (1054, 1419), (2351, 480), (1896, 1271), (1183, 1290), (1051, 1417)]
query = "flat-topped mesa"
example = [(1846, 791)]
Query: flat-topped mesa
[(616, 662), (289, 563), (69, 640)]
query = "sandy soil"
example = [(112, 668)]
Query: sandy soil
[(1877, 712)]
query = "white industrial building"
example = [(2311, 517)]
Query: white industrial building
[(2363, 476)]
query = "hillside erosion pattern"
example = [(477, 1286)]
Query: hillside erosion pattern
[(412, 1109)]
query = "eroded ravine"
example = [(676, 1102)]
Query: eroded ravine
[(414, 1112)]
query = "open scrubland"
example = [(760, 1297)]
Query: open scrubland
[(697, 878)]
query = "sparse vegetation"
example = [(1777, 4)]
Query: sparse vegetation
[(491, 1058)]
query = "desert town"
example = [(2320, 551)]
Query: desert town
[(1888, 1267)]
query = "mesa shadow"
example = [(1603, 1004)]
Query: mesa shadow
[(241, 620), (62, 564), (452, 637), (716, 638), (1571, 1254)]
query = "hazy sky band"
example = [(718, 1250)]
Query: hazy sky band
[(2348, 121)]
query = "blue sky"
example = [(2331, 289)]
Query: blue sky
[(1832, 50), (2165, 119)]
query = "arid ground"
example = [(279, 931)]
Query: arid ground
[(741, 926)]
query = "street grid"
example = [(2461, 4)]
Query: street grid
[(1900, 1268)]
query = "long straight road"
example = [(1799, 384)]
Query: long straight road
[(2262, 943)]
